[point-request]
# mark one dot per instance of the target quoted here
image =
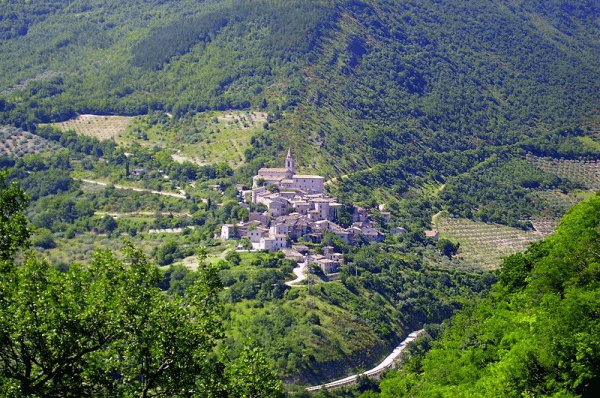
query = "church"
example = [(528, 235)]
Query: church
[(287, 178)]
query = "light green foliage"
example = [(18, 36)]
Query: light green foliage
[(44, 239), (78, 330), (250, 375), (13, 226)]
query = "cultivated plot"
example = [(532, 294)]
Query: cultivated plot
[(484, 244)]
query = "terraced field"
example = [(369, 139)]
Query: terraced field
[(101, 127), (583, 172), (545, 226), (17, 142), (484, 244)]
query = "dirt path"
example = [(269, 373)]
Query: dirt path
[(169, 230), (172, 194), (143, 213)]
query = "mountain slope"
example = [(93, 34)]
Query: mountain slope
[(350, 85), (535, 335)]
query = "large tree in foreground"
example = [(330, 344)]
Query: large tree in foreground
[(108, 330), (13, 225)]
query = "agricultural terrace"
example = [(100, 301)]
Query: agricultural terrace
[(583, 172), (556, 203), (17, 142), (101, 127), (484, 244)]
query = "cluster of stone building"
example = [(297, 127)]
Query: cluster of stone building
[(296, 206)]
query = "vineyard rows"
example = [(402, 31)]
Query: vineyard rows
[(101, 127), (484, 244), (556, 203), (545, 226), (584, 172)]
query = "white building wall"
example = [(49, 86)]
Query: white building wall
[(311, 184), (323, 209), (273, 243), (226, 231)]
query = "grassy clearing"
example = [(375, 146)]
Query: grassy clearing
[(484, 244), (215, 254), (219, 137), (80, 248), (589, 142)]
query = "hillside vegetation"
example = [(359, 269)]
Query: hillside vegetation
[(349, 85), (535, 335)]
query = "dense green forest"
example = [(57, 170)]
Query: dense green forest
[(536, 334)]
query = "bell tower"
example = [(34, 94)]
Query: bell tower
[(290, 162)]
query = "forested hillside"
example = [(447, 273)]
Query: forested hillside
[(348, 84), (311, 332), (535, 335)]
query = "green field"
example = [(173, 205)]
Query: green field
[(218, 137)]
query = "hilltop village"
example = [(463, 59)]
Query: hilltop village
[(296, 206)]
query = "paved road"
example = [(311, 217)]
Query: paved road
[(387, 362), (300, 272)]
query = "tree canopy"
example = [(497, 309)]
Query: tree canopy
[(537, 334), (108, 330)]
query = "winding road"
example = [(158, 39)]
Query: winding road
[(300, 272), (387, 362)]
